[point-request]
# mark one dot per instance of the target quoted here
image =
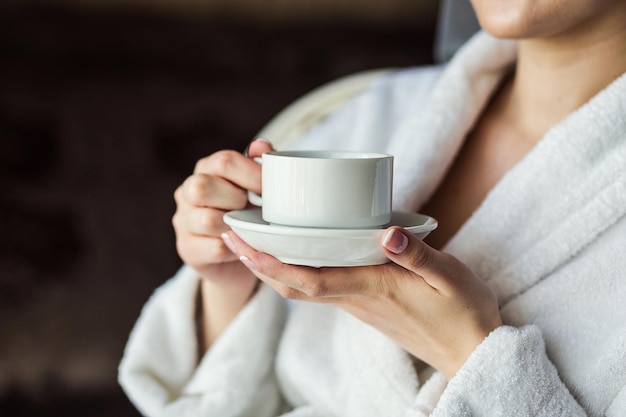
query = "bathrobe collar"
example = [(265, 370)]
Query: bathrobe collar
[(563, 194)]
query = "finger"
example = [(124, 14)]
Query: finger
[(201, 252), (232, 166), (200, 221), (212, 191), (314, 283), (407, 250), (258, 147), (236, 245), (284, 291)]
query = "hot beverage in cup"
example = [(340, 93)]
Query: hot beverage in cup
[(326, 189)]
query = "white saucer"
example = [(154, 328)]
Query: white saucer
[(322, 247)]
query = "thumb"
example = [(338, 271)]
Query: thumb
[(407, 250), (259, 146)]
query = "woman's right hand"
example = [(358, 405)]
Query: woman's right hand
[(218, 184)]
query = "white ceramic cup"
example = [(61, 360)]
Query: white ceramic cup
[(326, 189)]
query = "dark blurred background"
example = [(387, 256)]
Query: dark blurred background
[(105, 105)]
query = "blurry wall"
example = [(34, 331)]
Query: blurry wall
[(104, 108), (397, 11)]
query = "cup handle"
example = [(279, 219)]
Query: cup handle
[(254, 198)]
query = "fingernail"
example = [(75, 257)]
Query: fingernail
[(395, 241), (228, 242), (247, 262), (247, 150)]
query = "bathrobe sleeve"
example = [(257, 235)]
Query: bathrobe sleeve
[(160, 371), (509, 374)]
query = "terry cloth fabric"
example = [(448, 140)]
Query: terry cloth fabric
[(549, 238)]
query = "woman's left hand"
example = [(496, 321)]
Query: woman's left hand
[(428, 301)]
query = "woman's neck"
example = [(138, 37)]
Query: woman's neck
[(555, 76)]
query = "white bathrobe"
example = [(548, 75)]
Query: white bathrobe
[(550, 238)]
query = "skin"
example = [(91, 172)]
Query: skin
[(550, 81), (425, 299)]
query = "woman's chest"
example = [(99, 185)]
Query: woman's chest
[(486, 155)]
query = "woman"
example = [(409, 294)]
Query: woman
[(513, 307)]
